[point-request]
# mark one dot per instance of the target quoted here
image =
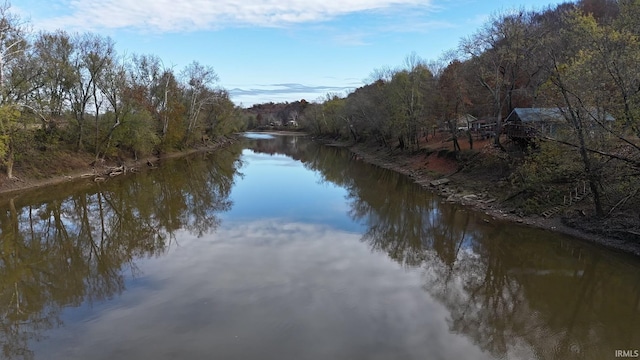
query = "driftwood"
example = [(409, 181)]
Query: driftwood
[(621, 202), (115, 171), (101, 176)]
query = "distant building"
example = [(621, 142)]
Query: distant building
[(546, 121), (464, 122)]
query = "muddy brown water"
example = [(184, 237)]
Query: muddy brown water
[(280, 248)]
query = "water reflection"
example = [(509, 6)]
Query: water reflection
[(258, 136), (516, 292), (289, 271), (64, 247)]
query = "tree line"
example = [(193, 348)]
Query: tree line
[(74, 92), (578, 57)]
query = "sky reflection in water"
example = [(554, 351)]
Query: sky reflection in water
[(271, 289)]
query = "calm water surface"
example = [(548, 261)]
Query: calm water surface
[(279, 248)]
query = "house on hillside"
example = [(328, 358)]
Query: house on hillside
[(462, 122), (273, 121), (526, 122)]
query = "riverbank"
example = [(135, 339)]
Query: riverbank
[(486, 193), (76, 166)]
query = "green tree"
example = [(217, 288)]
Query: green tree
[(137, 134), (332, 116), (410, 92), (13, 48), (113, 86), (312, 118), (220, 116), (10, 133), (589, 78), (153, 87), (53, 53)]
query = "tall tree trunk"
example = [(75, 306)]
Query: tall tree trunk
[(592, 176), (401, 143), (80, 130), (496, 139), (456, 145), (10, 161)]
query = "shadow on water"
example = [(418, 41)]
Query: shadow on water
[(516, 292), (63, 246)]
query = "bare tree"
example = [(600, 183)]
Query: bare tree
[(113, 85), (199, 81), (13, 44), (499, 51)]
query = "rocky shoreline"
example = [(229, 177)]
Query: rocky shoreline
[(455, 190)]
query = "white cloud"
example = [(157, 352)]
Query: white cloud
[(172, 15), (248, 95)]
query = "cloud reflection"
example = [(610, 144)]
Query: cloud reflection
[(262, 287)]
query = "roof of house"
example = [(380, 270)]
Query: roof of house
[(546, 114), (535, 114), (464, 119), (467, 117)]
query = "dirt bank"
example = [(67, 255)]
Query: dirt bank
[(483, 193), (70, 167)]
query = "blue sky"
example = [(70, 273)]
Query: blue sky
[(276, 50)]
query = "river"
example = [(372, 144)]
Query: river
[(280, 248)]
